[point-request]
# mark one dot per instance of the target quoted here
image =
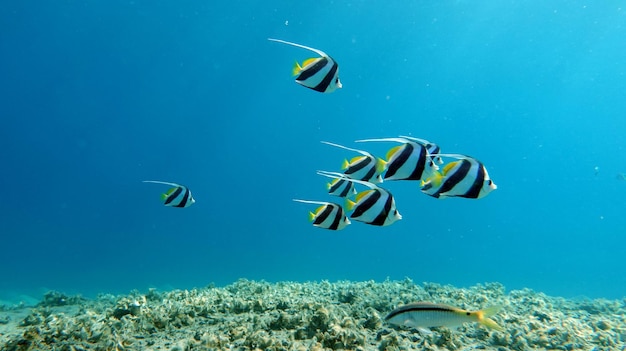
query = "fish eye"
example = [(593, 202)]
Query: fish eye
[(489, 182)]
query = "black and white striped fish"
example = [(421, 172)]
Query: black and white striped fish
[(365, 167), (433, 149), (465, 177), (409, 161), (328, 216), (178, 196), (318, 73), (375, 206), (425, 315), (341, 187)]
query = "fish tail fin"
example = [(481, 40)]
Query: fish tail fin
[(296, 69), (163, 196), (311, 216), (491, 311), (488, 322), (345, 164)]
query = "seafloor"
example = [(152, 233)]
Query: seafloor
[(251, 315)]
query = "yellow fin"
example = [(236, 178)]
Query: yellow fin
[(356, 159), (436, 178), (311, 216), (345, 164), (164, 196), (350, 204), (362, 194), (449, 166), (381, 165), (296, 69), (393, 151), (310, 61)]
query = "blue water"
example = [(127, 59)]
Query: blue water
[(97, 96)]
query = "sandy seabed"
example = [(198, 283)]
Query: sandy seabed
[(345, 315)]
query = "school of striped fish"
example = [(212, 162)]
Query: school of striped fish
[(413, 159)]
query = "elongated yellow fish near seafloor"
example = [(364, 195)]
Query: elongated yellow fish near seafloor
[(424, 315)]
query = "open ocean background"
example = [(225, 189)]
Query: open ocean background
[(97, 96)]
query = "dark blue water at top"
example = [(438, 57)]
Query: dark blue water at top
[(96, 97)]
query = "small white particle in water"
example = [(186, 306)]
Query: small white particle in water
[(286, 23), (601, 217)]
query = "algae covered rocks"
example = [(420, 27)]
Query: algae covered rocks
[(343, 315)]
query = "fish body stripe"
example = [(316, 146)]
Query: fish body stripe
[(420, 308), (366, 204), (312, 70), (173, 196), (418, 170), (431, 318), (369, 175), (381, 219), (326, 212), (331, 217), (176, 196), (325, 67), (183, 202), (328, 78), (455, 178), (337, 219), (353, 170), (336, 188), (369, 210), (398, 162), (477, 185), (471, 172), (466, 179), (429, 315), (414, 165), (346, 189)]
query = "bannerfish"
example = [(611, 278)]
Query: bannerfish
[(433, 149), (365, 167), (466, 177), (178, 196), (341, 187), (425, 315), (328, 216), (317, 73), (409, 161), (375, 206)]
